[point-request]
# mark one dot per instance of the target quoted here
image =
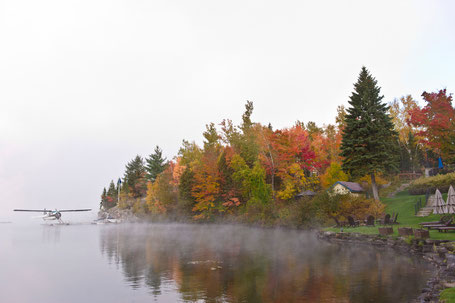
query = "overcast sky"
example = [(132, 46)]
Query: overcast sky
[(85, 85)]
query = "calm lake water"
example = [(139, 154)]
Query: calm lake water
[(196, 263)]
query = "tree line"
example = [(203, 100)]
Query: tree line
[(256, 172)]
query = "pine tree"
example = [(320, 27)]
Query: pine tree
[(103, 199), (112, 194), (155, 164), (135, 176), (368, 144)]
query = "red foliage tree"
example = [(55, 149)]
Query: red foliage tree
[(436, 123)]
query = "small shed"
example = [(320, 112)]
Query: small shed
[(306, 193), (344, 187)]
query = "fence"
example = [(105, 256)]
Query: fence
[(419, 204)]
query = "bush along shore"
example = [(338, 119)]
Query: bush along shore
[(440, 253)]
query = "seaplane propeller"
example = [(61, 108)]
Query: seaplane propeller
[(52, 214)]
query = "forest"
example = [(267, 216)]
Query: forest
[(253, 173)]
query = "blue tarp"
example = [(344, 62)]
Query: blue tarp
[(440, 165)]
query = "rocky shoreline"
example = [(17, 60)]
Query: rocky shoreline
[(122, 215), (440, 253)]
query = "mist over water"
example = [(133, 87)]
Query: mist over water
[(196, 263)]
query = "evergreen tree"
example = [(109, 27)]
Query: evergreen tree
[(246, 117), (313, 129), (103, 199), (155, 164), (112, 194), (211, 137), (247, 145), (185, 187), (135, 176), (368, 144)]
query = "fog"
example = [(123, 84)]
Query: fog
[(196, 263)]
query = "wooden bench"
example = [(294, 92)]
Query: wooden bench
[(445, 228)]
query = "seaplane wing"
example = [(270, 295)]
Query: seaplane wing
[(69, 210), (47, 210), (33, 210)]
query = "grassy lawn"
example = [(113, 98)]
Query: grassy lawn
[(448, 295), (403, 204)]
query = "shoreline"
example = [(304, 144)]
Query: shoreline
[(439, 253)]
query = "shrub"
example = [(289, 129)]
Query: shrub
[(441, 182), (337, 207), (299, 213)]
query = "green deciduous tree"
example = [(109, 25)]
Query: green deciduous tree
[(369, 140)]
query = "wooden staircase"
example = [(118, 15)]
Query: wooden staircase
[(425, 211)]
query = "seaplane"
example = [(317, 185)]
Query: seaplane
[(49, 215)]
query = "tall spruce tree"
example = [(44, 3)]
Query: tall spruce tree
[(155, 164), (368, 144), (135, 176)]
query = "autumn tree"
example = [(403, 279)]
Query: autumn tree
[(313, 129), (338, 207), (369, 140), (162, 195), (333, 174), (206, 190), (340, 119), (242, 138), (293, 162), (190, 154), (326, 146), (400, 111), (436, 121), (410, 150), (155, 164)]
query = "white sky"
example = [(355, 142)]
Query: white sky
[(87, 85)]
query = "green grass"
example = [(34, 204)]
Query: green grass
[(403, 204), (448, 295)]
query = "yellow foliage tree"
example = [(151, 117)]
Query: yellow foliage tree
[(161, 194), (294, 180), (333, 174)]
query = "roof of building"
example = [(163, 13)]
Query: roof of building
[(306, 193), (351, 186)]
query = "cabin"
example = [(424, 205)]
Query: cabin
[(344, 187)]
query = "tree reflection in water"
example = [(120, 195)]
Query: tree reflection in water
[(219, 263)]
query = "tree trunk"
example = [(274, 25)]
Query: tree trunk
[(374, 187), (336, 221)]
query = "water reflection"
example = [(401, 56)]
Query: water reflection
[(238, 264), (51, 234)]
